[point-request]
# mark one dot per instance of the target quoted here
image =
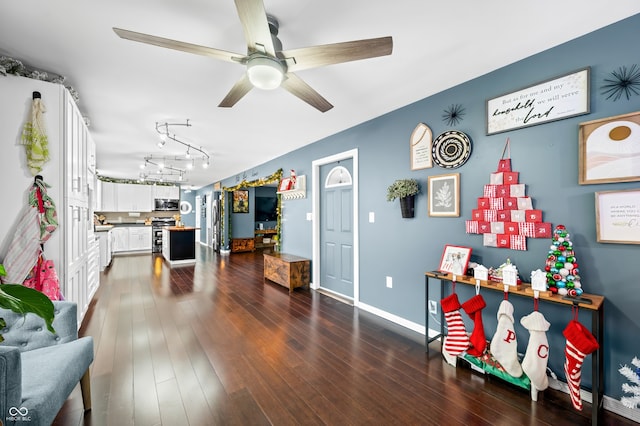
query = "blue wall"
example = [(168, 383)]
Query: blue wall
[(546, 156)]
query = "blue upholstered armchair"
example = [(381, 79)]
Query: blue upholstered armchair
[(38, 369)]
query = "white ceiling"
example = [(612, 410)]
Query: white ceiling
[(126, 87)]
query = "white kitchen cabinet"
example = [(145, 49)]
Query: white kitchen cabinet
[(131, 238), (140, 238), (120, 239), (104, 238), (170, 192), (66, 172), (134, 198), (108, 196), (93, 271)]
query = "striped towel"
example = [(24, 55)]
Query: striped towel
[(24, 249)]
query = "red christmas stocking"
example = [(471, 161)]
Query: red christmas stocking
[(456, 340), (580, 343), (473, 308)]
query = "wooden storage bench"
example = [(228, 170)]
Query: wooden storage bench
[(242, 244), (287, 270)]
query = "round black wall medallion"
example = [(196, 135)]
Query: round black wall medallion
[(451, 149)]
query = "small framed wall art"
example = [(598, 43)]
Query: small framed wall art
[(444, 195), (420, 142), (241, 201), (455, 259), (610, 150), (618, 216)]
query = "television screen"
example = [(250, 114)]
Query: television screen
[(266, 209)]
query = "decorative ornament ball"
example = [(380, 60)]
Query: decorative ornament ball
[(570, 278), (553, 247), (560, 240), (571, 285), (562, 258), (564, 272), (552, 257), (559, 265), (557, 252), (577, 284), (553, 290), (557, 277), (562, 291), (578, 291), (568, 265), (572, 293), (561, 284), (547, 268), (554, 270)]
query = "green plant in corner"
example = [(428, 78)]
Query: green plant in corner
[(402, 188), (22, 300)]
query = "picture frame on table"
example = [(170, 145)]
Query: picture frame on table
[(618, 216), (455, 259), (240, 201), (444, 195), (609, 149)]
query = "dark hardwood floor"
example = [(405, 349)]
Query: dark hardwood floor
[(212, 344)]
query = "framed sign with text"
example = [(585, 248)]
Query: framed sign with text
[(618, 216), (551, 100)]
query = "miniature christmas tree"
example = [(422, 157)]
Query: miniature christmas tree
[(633, 387), (561, 266)]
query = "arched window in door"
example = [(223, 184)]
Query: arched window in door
[(338, 176)]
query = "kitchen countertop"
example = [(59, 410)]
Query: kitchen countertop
[(180, 228)]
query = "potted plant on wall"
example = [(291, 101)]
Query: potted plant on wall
[(405, 190)]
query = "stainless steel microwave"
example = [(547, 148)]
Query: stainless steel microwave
[(164, 204)]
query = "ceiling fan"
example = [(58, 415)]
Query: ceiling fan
[(268, 66)]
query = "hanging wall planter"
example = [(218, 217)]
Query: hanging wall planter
[(407, 206), (405, 190)]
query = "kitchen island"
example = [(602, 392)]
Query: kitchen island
[(179, 244)]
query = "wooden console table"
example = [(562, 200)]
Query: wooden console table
[(287, 270), (524, 290)]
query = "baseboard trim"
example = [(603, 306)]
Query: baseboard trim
[(608, 403)]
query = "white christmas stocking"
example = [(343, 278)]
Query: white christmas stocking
[(504, 346), (580, 343), (456, 340), (535, 359)]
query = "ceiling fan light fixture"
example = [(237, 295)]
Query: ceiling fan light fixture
[(264, 72)]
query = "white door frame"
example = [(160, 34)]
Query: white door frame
[(317, 187), (198, 210)]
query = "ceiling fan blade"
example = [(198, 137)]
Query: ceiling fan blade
[(256, 28), (328, 54), (296, 86), (241, 88), (179, 45)]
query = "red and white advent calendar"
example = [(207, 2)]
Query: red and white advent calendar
[(505, 215)]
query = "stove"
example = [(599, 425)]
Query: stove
[(157, 223)]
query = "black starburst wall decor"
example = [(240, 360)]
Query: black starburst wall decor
[(623, 81), (453, 115)]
